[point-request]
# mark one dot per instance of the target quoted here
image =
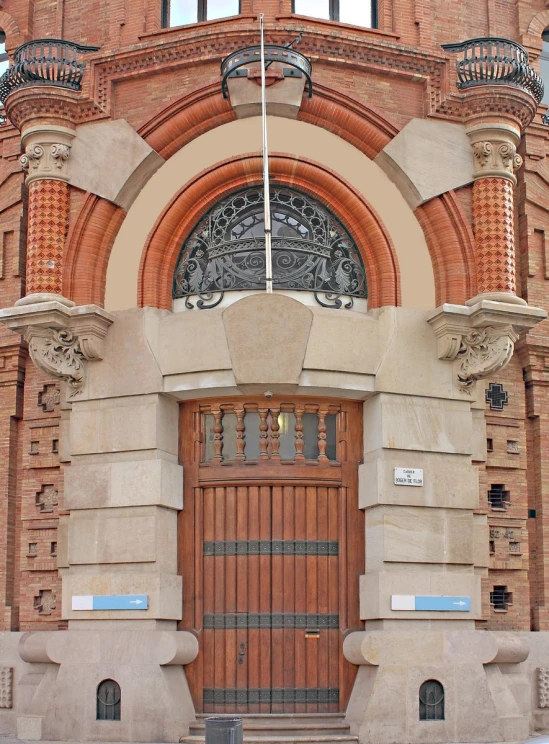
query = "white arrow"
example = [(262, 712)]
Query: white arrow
[(460, 603), (140, 601)]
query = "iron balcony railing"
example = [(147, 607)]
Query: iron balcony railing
[(45, 62), (495, 61)]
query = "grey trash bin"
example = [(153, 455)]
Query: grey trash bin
[(224, 730)]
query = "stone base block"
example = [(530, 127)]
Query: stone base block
[(483, 675), (29, 728), (155, 702)]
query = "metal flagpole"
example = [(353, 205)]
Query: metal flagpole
[(266, 197)]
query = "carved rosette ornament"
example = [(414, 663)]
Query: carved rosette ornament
[(31, 158), (62, 337)]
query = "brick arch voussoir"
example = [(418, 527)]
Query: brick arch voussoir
[(164, 242), (88, 248), (538, 24), (9, 25), (451, 246), (90, 243)]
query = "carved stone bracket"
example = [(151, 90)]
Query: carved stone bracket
[(62, 337), (480, 338), (483, 352)]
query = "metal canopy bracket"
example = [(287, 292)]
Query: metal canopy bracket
[(273, 53)]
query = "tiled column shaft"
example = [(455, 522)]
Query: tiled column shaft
[(47, 230), (47, 150), (495, 160), (493, 225)]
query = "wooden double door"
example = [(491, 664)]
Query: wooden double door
[(271, 546)]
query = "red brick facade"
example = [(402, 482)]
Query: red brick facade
[(368, 85)]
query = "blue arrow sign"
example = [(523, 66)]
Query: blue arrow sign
[(443, 604), (111, 602), (433, 603)]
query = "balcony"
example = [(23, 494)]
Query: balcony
[(495, 61), (45, 62)]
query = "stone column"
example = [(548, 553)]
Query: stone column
[(47, 150), (495, 161)]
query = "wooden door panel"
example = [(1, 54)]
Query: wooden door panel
[(266, 570)]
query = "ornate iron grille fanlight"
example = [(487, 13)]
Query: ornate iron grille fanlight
[(312, 251)]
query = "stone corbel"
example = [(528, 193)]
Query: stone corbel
[(480, 338), (62, 337)]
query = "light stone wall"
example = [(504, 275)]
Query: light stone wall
[(285, 136), (123, 489)]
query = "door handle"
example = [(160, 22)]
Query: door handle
[(242, 653)]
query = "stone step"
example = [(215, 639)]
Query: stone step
[(290, 725), (273, 737)]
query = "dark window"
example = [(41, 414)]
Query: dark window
[(431, 701), (500, 598), (183, 12), (490, 445), (345, 11), (108, 700), (492, 546), (498, 497)]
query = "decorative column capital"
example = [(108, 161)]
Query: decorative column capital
[(495, 151), (480, 338), (47, 150), (62, 336)]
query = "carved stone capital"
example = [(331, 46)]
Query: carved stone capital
[(480, 338), (62, 337), (47, 151), (495, 151)]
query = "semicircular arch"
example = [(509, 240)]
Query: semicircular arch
[(197, 197), (90, 248)]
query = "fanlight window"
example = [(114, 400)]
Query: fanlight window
[(311, 251)]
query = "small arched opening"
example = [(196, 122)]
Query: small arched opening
[(431, 701), (108, 700)]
